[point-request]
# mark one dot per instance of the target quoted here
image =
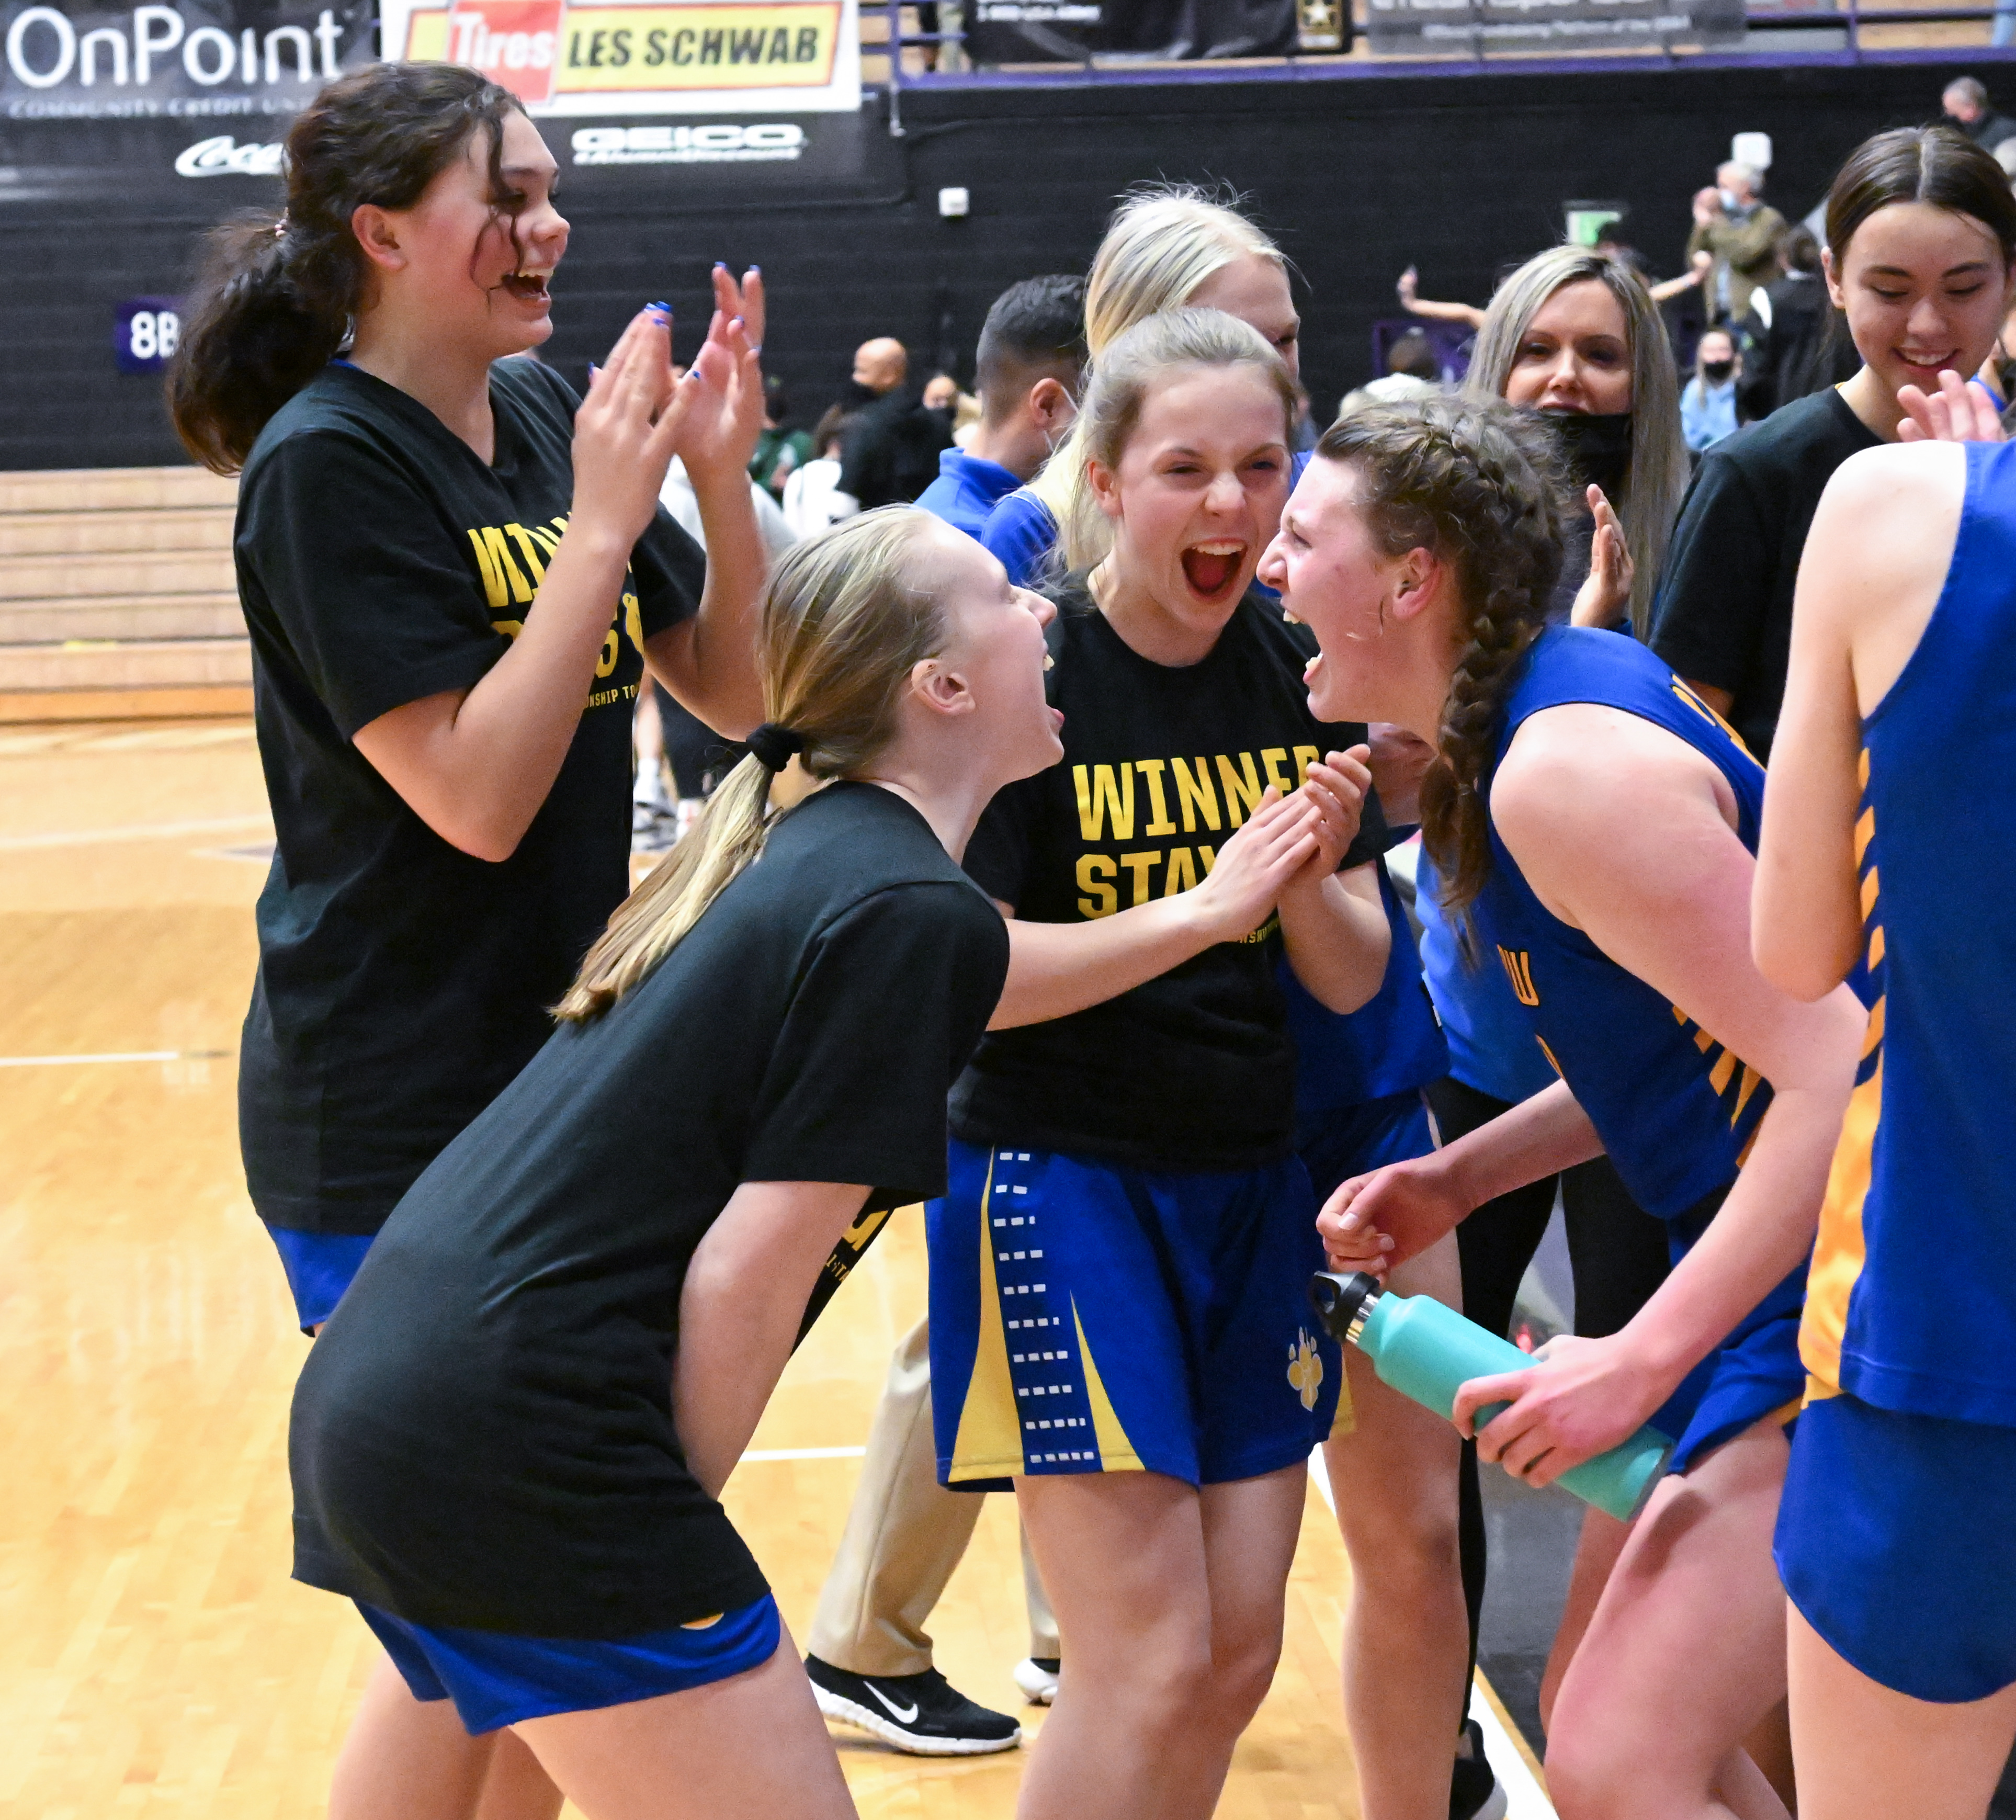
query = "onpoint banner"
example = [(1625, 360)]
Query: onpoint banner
[(78, 59), (677, 57)]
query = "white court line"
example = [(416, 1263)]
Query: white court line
[(1524, 1798), (156, 830), (73, 1060), (804, 1453)]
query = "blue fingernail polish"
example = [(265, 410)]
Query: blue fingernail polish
[(758, 270), (664, 309)]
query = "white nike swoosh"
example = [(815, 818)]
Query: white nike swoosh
[(902, 1715)]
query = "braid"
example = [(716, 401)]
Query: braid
[(1474, 482)]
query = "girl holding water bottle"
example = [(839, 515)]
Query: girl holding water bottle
[(1594, 826)]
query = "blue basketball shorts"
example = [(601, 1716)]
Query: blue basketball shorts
[(1755, 1375), (497, 1679), (1897, 1542), (319, 1266), (1090, 1317), (1353, 1140)]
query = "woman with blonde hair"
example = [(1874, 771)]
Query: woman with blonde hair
[(1576, 335), (1119, 1319), (1358, 1088), (595, 1288), (1168, 245)]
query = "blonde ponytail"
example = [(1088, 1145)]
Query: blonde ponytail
[(843, 624)]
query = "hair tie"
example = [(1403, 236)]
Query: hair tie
[(775, 746)]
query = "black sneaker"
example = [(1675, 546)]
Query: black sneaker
[(924, 1714), (1474, 1793)]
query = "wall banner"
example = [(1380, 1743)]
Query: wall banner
[(675, 56), (194, 60), (1027, 31), (1411, 27)]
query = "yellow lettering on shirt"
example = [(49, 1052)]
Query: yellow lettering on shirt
[(1140, 865), (612, 648), (633, 622), (1182, 873), (1093, 871), (528, 550), (1151, 770), (1276, 760), (1195, 796), (501, 577), (1101, 794), (1304, 757), (1239, 792), (1519, 970)]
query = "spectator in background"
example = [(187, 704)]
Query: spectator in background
[(1707, 403), (779, 451), (813, 500), (1921, 256), (1412, 371), (1966, 103), (941, 392), (1407, 288), (891, 453), (1030, 364), (1740, 233), (1788, 343)]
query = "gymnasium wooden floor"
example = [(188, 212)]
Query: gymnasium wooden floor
[(155, 1657)]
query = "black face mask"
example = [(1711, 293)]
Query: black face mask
[(1717, 370), (1598, 449)]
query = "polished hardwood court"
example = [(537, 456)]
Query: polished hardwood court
[(155, 1659)]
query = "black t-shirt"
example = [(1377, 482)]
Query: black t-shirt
[(1194, 1070), (401, 982), (482, 1435), (1724, 612)]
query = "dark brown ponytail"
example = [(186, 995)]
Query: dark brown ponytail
[(275, 298), (1477, 483)]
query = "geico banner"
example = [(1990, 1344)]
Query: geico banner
[(198, 59), (689, 56)]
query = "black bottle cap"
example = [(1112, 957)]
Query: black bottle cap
[(1342, 1302)]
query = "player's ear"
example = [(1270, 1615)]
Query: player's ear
[(379, 236), (1105, 484), (1414, 583), (941, 689)]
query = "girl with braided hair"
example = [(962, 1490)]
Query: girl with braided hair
[(1595, 824), (509, 1443)]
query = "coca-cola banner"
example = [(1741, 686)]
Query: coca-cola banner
[(195, 60), (674, 57)]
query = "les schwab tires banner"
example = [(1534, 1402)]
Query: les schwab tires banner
[(687, 56)]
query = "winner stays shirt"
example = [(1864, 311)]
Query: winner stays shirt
[(1195, 1069), (401, 982)]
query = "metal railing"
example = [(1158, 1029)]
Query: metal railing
[(1760, 23)]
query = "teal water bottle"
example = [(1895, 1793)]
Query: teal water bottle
[(1427, 1351)]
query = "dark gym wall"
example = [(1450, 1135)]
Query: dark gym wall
[(1460, 174)]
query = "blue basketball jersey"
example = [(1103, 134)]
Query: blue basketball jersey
[(1676, 1109), (1913, 1302)]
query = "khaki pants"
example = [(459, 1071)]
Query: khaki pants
[(905, 1535)]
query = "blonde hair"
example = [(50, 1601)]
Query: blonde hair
[(843, 624), (1163, 242), (1168, 340), (1657, 473)]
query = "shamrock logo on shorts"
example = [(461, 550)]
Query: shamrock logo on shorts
[(1305, 1367)]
